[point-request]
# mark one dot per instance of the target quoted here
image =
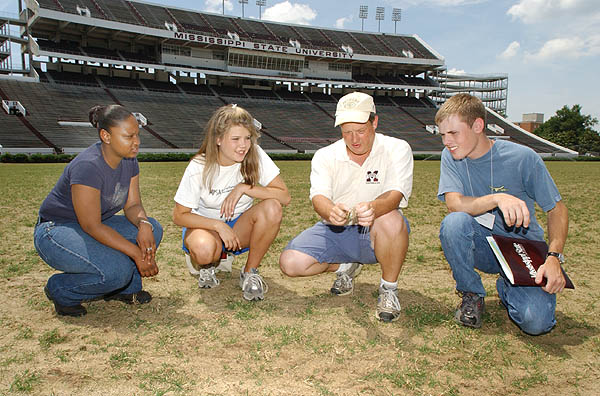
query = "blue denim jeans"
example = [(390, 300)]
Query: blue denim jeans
[(466, 249), (90, 269)]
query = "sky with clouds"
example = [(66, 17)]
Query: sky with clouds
[(550, 49)]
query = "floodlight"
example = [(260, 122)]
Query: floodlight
[(396, 16), (363, 11), (260, 4), (379, 16), (242, 2)]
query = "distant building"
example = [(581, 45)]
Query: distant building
[(531, 121), (492, 89)]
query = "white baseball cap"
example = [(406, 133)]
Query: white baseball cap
[(354, 107)]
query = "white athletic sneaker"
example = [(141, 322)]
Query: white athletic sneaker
[(343, 283), (252, 284), (388, 306), (207, 278)]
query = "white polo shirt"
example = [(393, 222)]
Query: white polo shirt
[(389, 167)]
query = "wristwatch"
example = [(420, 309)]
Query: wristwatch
[(559, 256)]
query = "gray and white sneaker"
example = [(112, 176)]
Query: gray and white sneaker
[(207, 278), (343, 283), (388, 306), (252, 284)]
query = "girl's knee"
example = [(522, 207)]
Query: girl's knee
[(204, 253), (272, 210)]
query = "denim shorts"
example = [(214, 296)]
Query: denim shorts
[(230, 223), (336, 244)]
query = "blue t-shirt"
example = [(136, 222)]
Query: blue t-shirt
[(90, 169), (508, 168)]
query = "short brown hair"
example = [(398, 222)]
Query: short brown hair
[(467, 107)]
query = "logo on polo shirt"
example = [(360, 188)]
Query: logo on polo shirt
[(372, 177)]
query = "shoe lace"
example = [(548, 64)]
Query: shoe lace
[(254, 281), (342, 280), (468, 304), (207, 275), (389, 299)]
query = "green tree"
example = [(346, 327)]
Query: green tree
[(570, 128)]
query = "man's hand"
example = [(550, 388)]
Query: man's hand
[(338, 215), (513, 209), (365, 214), (555, 281)]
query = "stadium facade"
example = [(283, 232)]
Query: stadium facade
[(174, 66)]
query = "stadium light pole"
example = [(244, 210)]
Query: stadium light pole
[(242, 2), (396, 16), (260, 4), (363, 12), (223, 7), (379, 15)]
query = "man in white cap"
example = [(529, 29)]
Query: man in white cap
[(358, 186)]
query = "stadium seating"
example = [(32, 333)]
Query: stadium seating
[(118, 10), (373, 45), (47, 104), (14, 134), (160, 86), (154, 16), (518, 136), (319, 97), (71, 7), (177, 119), (52, 4), (261, 94), (177, 113), (230, 91), (73, 78), (64, 46), (382, 101), (292, 95), (120, 82), (104, 53), (196, 89), (407, 101)]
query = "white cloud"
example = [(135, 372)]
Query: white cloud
[(288, 12), (566, 48), (436, 3), (456, 71), (217, 6), (510, 51), (342, 21), (534, 11)]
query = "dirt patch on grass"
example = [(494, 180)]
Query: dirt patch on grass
[(300, 340)]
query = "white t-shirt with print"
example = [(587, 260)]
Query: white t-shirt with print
[(389, 167), (192, 193)]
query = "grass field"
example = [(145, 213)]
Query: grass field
[(300, 340)]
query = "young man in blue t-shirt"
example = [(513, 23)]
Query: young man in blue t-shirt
[(491, 187)]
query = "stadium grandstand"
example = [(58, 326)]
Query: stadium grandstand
[(174, 66)]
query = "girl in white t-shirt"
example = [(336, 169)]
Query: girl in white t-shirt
[(214, 200)]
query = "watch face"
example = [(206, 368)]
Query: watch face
[(559, 256)]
